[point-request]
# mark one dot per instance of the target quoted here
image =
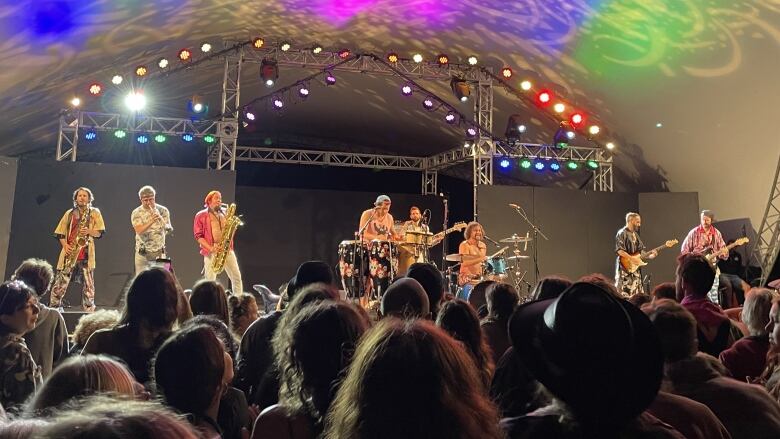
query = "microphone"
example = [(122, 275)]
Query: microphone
[(514, 206), (491, 241), (426, 217)]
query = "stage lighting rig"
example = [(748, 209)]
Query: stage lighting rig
[(461, 89), (269, 72)]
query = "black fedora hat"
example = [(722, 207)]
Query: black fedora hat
[(597, 353)]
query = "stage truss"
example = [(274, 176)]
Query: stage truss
[(766, 250), (482, 151)]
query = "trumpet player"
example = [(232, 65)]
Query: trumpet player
[(208, 227), (76, 231), (151, 222)]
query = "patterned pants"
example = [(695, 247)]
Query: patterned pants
[(627, 283), (62, 280)]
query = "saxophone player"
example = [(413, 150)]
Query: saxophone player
[(208, 227), (76, 231), (151, 222)]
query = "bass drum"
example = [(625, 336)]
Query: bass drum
[(349, 267)]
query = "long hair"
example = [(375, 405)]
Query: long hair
[(239, 304), (470, 228), (85, 189), (208, 297), (459, 319), (81, 376), (36, 273), (151, 298), (410, 379)]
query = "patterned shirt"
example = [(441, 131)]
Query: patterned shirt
[(628, 241), (153, 238), (19, 374), (701, 241)]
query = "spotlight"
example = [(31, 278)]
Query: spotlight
[(185, 55), (187, 137), (120, 134), (505, 163), (559, 107), (515, 127), (91, 135), (472, 60), (570, 135), (330, 79), (197, 105), (278, 103), (269, 71), (450, 118), (468, 144), (285, 46), (506, 72), (555, 166), (392, 57), (428, 103), (461, 89), (544, 97), (258, 43), (135, 101), (610, 146), (142, 138), (249, 114), (539, 165), (417, 57), (95, 89), (406, 90), (561, 138), (592, 164), (593, 130), (160, 138), (525, 163), (572, 165), (303, 92), (141, 71), (471, 132), (117, 79), (526, 85), (208, 138), (205, 47), (75, 102), (344, 53), (443, 59), (162, 63), (576, 119), (317, 49)]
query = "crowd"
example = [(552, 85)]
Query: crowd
[(577, 361)]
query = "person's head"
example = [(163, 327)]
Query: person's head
[(315, 349), (639, 299), (36, 273), (502, 299), (477, 296), (147, 196), (151, 300), (694, 276), (602, 281), (18, 307), (410, 379), (755, 311), (82, 197), (189, 369), (220, 329), (208, 298), (633, 221), (550, 287), (405, 298), (110, 418), (415, 214), (676, 327), (213, 200), (460, 320), (773, 327), (310, 272), (91, 322), (81, 376), (382, 204), (596, 353), (707, 217), (664, 290), (430, 278), (243, 311), (474, 230)]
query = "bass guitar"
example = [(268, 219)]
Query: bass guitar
[(636, 260), (712, 257)]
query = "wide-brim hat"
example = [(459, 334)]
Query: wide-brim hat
[(597, 353)]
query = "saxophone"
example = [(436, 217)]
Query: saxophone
[(232, 221), (81, 241)]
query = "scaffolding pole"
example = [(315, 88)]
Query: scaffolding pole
[(768, 245)]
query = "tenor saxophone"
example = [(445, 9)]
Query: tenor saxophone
[(232, 221), (81, 241)]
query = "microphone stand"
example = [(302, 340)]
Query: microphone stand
[(360, 251), (537, 232), (444, 239)]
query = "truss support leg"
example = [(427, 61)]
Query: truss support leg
[(430, 182), (483, 152), (223, 156), (767, 248), (68, 136)]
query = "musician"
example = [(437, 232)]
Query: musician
[(474, 250), (628, 244), (85, 221), (410, 253), (706, 239), (151, 222), (377, 223), (207, 228)]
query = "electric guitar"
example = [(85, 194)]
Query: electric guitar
[(631, 264), (712, 257), (457, 227)]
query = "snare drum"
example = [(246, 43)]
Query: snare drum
[(496, 269), (349, 267), (382, 264)]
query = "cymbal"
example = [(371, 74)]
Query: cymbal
[(457, 257), (512, 258), (515, 238)]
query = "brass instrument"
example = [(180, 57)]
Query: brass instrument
[(81, 241), (232, 221)]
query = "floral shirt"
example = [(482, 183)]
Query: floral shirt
[(701, 241), (153, 238), (19, 374)]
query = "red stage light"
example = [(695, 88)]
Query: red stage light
[(344, 53), (544, 97), (577, 119), (185, 54), (506, 72), (95, 89)]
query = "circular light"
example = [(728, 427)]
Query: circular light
[(392, 57), (559, 107), (258, 43), (187, 137), (285, 46), (90, 135), (269, 82), (197, 107), (330, 79), (303, 92), (521, 129), (141, 71), (208, 138), (592, 164), (506, 72), (406, 90), (504, 163), (344, 53), (135, 101), (443, 59), (120, 134), (576, 119), (117, 79), (539, 165), (555, 166), (525, 163), (185, 54), (249, 115), (428, 103), (142, 138), (471, 132), (472, 60), (572, 165), (278, 103), (75, 102), (570, 134), (659, 125), (162, 63), (418, 58), (95, 89), (526, 85), (316, 49), (160, 138), (544, 97), (205, 47), (450, 117), (610, 145), (594, 129)]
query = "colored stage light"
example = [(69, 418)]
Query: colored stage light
[(392, 57), (278, 103), (592, 164), (120, 134), (141, 71), (258, 43), (187, 137), (539, 165), (525, 163), (471, 132), (75, 102), (344, 53), (506, 72), (450, 118), (249, 114), (417, 57), (573, 166), (135, 101), (205, 47), (142, 138), (117, 79), (544, 97), (208, 138), (505, 163), (576, 119), (160, 138), (303, 92), (555, 166), (428, 103), (593, 130), (269, 72), (461, 89), (610, 146), (570, 135), (406, 90), (514, 127), (330, 79), (443, 59), (285, 46), (162, 63), (472, 60), (316, 49), (197, 105), (95, 89), (559, 107), (185, 55), (526, 85), (90, 135)]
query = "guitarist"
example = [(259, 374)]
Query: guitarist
[(471, 268), (628, 244), (706, 239)]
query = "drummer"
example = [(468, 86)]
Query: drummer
[(411, 253), (474, 252), (377, 223)]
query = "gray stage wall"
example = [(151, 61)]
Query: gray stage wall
[(44, 192), (581, 226), (7, 185)]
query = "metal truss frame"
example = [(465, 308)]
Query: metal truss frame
[(767, 246), (68, 136), (223, 155), (330, 158)]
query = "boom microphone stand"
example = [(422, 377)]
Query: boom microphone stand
[(537, 233)]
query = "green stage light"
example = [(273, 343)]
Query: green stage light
[(208, 138), (160, 138), (592, 164), (525, 163), (573, 166), (120, 134)]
